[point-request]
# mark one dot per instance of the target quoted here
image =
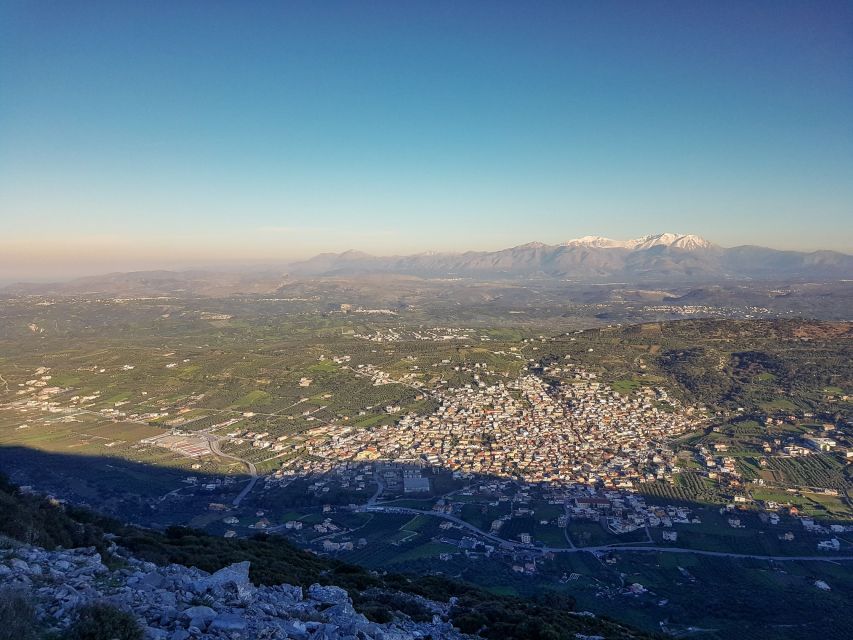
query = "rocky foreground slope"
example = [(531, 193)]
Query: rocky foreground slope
[(174, 602)]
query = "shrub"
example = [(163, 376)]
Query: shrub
[(101, 621), (17, 615)]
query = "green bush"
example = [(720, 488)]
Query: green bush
[(17, 616), (101, 621), (36, 520)]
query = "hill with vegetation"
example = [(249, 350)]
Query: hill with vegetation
[(34, 526)]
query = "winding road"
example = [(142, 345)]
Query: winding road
[(214, 446)]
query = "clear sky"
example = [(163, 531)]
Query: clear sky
[(141, 134)]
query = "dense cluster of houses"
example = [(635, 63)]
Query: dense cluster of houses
[(578, 432)]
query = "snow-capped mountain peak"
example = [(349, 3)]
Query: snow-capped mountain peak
[(598, 242), (687, 242)]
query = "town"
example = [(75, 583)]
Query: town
[(581, 432)]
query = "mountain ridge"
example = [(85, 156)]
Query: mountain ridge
[(663, 256), (688, 242)]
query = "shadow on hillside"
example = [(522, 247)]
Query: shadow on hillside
[(684, 588), (136, 492), (495, 511)]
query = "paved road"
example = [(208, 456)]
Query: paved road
[(214, 446), (566, 529), (601, 549), (719, 554), (380, 487)]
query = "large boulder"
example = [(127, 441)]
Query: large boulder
[(151, 580), (199, 616), (227, 622), (19, 565), (235, 576), (327, 595)]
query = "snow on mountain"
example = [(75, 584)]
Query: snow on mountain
[(598, 242), (687, 242)]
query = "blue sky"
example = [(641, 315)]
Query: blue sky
[(167, 133)]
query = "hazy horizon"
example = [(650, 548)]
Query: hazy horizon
[(21, 272), (167, 136)]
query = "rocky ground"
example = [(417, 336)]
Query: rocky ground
[(179, 603)]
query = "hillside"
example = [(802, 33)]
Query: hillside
[(185, 582), (760, 365)]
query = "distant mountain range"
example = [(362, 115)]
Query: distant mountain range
[(662, 257), (665, 258), (675, 240)]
